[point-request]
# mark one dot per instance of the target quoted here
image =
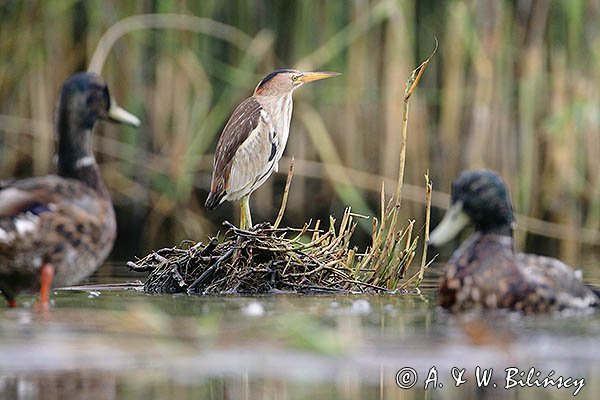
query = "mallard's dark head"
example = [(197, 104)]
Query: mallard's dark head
[(479, 198), (85, 98)]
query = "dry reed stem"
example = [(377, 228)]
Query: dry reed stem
[(286, 192), (429, 187), (343, 38), (411, 85), (190, 23)]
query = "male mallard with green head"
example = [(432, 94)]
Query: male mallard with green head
[(485, 272), (56, 230)]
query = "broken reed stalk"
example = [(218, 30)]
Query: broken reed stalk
[(411, 85), (417, 278), (286, 192), (386, 252), (429, 189)]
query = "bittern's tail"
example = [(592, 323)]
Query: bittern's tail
[(213, 200)]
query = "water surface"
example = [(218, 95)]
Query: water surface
[(109, 343)]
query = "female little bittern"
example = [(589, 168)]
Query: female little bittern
[(254, 138)]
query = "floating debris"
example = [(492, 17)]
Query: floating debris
[(360, 306), (253, 309)]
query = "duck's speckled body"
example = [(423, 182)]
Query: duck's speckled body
[(485, 272), (63, 223)]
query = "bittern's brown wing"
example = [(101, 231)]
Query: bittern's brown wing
[(242, 153)]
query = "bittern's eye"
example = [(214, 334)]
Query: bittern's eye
[(295, 78)]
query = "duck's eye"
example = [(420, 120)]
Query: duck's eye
[(95, 101)]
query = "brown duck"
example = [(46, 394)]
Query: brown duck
[(56, 230), (485, 272)]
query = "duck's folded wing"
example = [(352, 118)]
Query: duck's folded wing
[(32, 209), (19, 214), (555, 278), (14, 201)]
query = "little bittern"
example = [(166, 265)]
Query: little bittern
[(254, 138)]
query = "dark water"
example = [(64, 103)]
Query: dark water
[(124, 344)]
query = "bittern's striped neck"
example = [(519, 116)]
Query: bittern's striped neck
[(278, 110)]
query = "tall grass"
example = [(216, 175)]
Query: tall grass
[(514, 88)]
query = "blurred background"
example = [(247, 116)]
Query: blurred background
[(514, 87)]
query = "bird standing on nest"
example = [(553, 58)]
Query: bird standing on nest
[(254, 139), (56, 230)]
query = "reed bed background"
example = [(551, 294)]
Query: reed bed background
[(514, 87)]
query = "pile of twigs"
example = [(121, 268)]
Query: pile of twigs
[(267, 259)]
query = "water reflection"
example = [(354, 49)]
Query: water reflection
[(121, 343), (85, 384)]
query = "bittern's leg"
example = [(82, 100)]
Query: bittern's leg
[(248, 215), (46, 277), (245, 217), (242, 215)]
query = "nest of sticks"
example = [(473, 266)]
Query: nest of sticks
[(269, 259)]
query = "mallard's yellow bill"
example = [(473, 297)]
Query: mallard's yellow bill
[(120, 115), (453, 222)]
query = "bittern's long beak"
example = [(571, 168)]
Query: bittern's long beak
[(315, 76), (454, 221), (120, 115)]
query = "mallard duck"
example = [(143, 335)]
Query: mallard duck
[(485, 272), (56, 230)]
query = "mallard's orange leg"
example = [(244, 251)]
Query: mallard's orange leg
[(46, 277), (12, 303)]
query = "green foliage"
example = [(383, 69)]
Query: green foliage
[(514, 89)]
